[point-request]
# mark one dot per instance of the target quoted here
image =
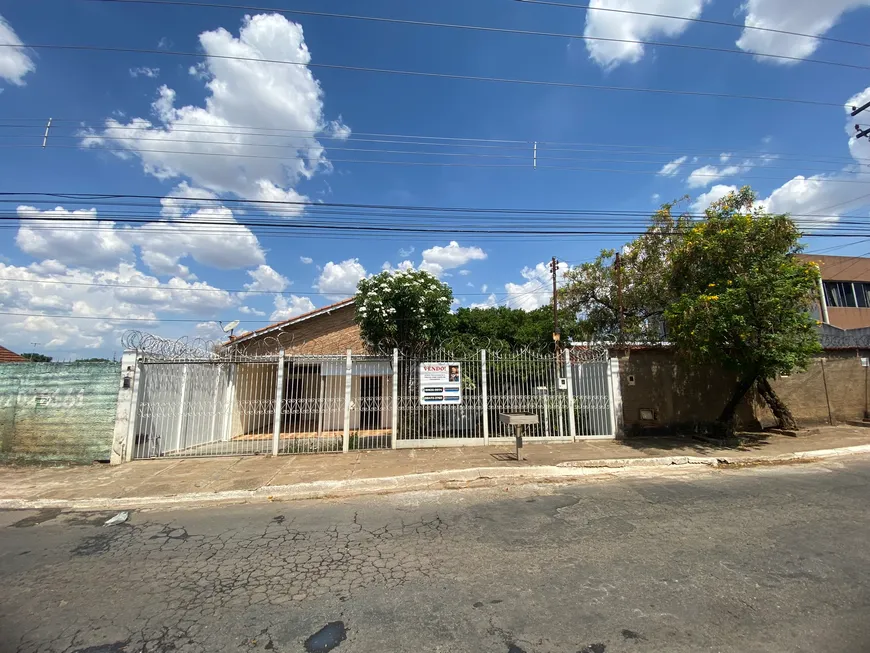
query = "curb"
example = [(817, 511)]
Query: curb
[(477, 477)]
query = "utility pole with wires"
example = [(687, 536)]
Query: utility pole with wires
[(861, 133), (554, 268), (618, 267)]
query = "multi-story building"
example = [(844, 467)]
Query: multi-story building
[(845, 290)]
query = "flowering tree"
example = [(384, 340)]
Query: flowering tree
[(404, 308), (744, 299)]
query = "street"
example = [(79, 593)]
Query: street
[(763, 559)]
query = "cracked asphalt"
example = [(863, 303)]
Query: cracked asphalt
[(763, 559)]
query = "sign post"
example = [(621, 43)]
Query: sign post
[(440, 383)]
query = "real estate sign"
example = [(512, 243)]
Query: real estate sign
[(440, 383)]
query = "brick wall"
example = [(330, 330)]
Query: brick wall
[(58, 411), (331, 333)]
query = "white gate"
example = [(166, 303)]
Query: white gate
[(334, 403)]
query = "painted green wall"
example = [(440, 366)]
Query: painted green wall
[(57, 411)]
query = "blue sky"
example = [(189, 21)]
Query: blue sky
[(181, 279)]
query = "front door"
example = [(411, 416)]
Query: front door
[(370, 393)]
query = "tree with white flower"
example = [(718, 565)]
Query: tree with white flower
[(403, 308)]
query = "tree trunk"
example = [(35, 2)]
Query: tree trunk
[(784, 418), (740, 390)]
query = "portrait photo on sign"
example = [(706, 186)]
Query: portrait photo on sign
[(453, 374)]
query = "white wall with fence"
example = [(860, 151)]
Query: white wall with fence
[(282, 404)]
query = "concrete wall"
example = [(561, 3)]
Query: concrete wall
[(680, 395), (836, 380), (835, 387), (58, 411)]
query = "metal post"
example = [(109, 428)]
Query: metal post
[(348, 384), (279, 404), (230, 401), (179, 429), (137, 388), (613, 393), (484, 396), (518, 435), (394, 427), (572, 417)]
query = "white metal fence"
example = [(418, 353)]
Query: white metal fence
[(334, 403)]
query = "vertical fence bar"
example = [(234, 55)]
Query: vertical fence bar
[(394, 424), (135, 400), (348, 384), (484, 397), (612, 387), (279, 404), (569, 373), (179, 427)]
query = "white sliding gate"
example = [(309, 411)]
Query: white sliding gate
[(333, 403)]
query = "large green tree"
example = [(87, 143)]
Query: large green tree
[(627, 301), (743, 298), (513, 328), (34, 357), (407, 309)]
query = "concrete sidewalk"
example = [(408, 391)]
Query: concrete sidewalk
[(203, 480)]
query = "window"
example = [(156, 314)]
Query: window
[(847, 294), (840, 294)]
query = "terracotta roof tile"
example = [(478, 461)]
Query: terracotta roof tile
[(292, 320), (7, 356)]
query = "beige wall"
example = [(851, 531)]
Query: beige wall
[(682, 395), (836, 378), (679, 394)]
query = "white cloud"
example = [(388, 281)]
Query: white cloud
[(438, 259), (818, 194), (14, 62), (266, 279), (536, 291), (339, 280), (404, 265), (183, 143), (307, 260), (405, 252), (725, 157), (672, 168), (94, 294), (84, 242), (706, 175), (338, 130), (813, 17), (184, 198), (292, 306), (464, 273), (605, 24), (655, 197), (226, 245), (489, 302), (484, 288), (247, 310), (145, 71), (702, 202)]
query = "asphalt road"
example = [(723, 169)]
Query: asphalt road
[(766, 559)]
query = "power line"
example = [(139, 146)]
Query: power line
[(453, 141), (477, 28), (439, 164), (542, 155), (104, 198), (211, 289), (431, 75), (708, 21)]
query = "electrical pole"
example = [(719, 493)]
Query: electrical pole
[(861, 133), (554, 268), (618, 266)]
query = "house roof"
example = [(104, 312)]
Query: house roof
[(293, 320), (7, 356)]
